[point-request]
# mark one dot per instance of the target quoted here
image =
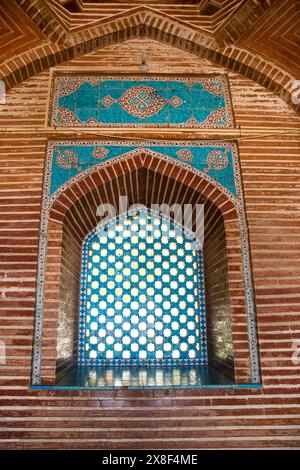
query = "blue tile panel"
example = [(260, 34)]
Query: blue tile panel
[(214, 159), (152, 101), (142, 294)]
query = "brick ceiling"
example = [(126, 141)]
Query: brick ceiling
[(258, 38)]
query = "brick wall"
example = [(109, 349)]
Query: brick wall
[(269, 58), (73, 216)]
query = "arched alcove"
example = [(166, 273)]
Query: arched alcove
[(144, 180)]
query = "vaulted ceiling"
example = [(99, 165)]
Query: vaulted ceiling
[(258, 38), (222, 20)]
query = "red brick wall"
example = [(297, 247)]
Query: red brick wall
[(219, 337), (68, 316), (266, 53)]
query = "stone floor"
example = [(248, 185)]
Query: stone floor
[(142, 377)]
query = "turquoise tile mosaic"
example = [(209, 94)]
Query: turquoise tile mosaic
[(142, 294), (216, 159), (79, 100)]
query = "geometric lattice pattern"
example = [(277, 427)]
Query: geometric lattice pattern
[(217, 159), (142, 294), (150, 101)]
